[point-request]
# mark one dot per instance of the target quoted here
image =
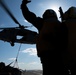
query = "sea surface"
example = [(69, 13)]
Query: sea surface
[(32, 72)]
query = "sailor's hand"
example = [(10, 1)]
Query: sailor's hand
[(26, 1)]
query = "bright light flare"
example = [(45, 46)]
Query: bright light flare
[(55, 8)]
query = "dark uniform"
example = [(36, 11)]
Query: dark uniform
[(48, 42), (70, 56)]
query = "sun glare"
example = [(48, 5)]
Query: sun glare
[(55, 8)]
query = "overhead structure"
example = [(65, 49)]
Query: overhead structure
[(10, 34)]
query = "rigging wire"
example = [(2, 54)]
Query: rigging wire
[(16, 61)]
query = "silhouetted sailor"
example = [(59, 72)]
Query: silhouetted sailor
[(48, 42), (70, 22)]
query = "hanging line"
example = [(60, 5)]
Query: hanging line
[(18, 51), (16, 62)]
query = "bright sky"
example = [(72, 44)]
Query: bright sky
[(27, 58)]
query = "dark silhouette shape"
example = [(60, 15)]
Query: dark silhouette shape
[(8, 70), (69, 20), (10, 34), (49, 42)]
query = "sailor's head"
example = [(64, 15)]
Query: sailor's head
[(70, 13), (49, 13)]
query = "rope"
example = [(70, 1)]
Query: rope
[(18, 51), (16, 62)]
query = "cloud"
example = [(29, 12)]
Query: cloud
[(31, 51), (12, 59), (30, 65), (21, 63), (33, 63)]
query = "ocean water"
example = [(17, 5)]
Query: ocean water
[(32, 72)]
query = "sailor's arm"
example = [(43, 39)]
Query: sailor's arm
[(29, 16)]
